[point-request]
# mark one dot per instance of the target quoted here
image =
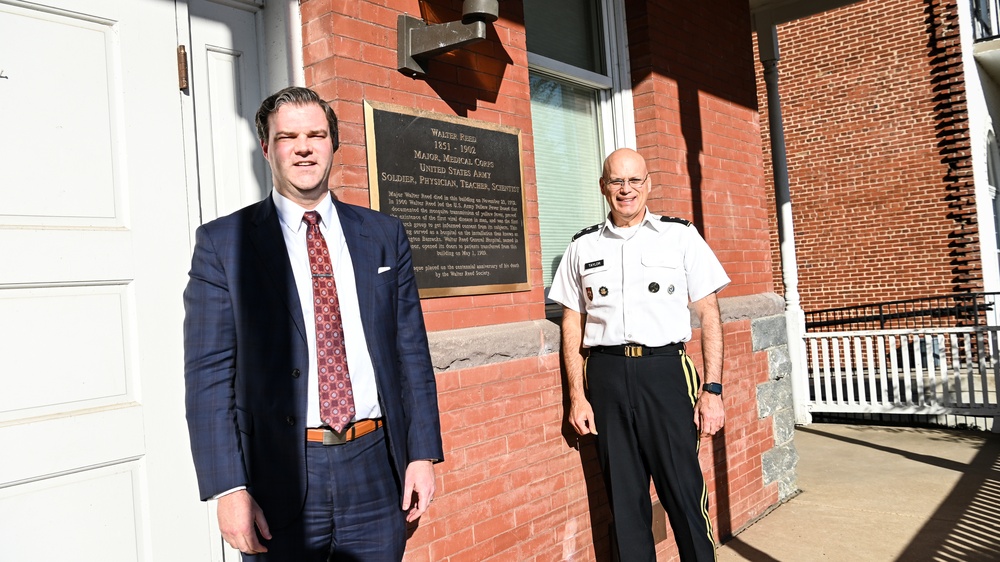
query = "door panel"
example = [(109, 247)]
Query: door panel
[(94, 317), (46, 55), (82, 445), (226, 89), (113, 489)]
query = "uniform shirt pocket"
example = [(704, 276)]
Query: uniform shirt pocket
[(663, 272)]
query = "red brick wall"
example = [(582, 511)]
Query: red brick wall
[(513, 485), (350, 56), (874, 216), (697, 125)]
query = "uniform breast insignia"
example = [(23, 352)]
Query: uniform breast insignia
[(670, 289), (685, 222), (593, 264), (590, 294), (654, 287), (603, 291), (587, 230)]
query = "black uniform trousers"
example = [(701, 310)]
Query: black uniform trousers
[(644, 415)]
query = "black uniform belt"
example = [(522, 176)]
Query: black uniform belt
[(635, 350)]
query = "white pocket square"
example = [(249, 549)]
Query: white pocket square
[(383, 269)]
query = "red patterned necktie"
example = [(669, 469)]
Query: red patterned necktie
[(336, 399)]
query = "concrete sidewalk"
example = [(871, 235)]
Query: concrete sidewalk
[(883, 494)]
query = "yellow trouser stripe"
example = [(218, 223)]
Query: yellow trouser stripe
[(690, 377)]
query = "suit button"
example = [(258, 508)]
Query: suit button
[(290, 420), (295, 373)]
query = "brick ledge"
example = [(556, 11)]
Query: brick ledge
[(473, 347)]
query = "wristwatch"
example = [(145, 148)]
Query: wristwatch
[(713, 388)]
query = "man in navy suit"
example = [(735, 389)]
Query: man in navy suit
[(292, 485)]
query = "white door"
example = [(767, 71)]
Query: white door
[(94, 250)]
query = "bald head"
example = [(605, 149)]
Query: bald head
[(618, 157)]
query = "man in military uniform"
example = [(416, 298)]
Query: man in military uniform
[(625, 286)]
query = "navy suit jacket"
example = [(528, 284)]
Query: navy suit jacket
[(247, 361)]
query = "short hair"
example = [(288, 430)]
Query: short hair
[(297, 96)]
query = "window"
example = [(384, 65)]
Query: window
[(993, 160), (568, 157), (581, 110)]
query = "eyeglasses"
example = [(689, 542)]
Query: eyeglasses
[(634, 183)]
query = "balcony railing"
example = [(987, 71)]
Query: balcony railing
[(971, 309), (985, 19), (928, 371)]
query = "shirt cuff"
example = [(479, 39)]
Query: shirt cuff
[(227, 492)]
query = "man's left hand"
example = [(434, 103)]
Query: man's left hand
[(709, 414), (420, 481)]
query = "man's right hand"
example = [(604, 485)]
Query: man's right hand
[(581, 415), (239, 514)]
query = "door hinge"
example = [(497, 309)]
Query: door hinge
[(182, 67)]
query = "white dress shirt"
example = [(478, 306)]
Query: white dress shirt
[(359, 362)]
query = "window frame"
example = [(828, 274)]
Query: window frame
[(614, 91)]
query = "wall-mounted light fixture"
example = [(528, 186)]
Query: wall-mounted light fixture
[(416, 41)]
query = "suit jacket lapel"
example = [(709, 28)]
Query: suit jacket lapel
[(265, 233), (362, 256)]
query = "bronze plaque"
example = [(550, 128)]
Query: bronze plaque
[(457, 186)]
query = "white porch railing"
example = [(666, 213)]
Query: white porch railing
[(917, 371)]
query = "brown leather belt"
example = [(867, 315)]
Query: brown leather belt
[(357, 429), (634, 350)]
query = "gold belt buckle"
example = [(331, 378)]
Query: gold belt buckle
[(633, 350), (331, 437)]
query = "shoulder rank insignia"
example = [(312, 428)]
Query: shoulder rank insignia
[(587, 230), (685, 222)]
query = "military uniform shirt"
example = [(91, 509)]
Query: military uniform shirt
[(636, 289)]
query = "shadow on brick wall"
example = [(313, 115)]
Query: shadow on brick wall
[(723, 514), (597, 498), (598, 506), (464, 77)]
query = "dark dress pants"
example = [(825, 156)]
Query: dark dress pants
[(644, 415), (352, 509)]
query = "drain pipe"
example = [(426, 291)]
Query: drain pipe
[(795, 322), (293, 23)]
